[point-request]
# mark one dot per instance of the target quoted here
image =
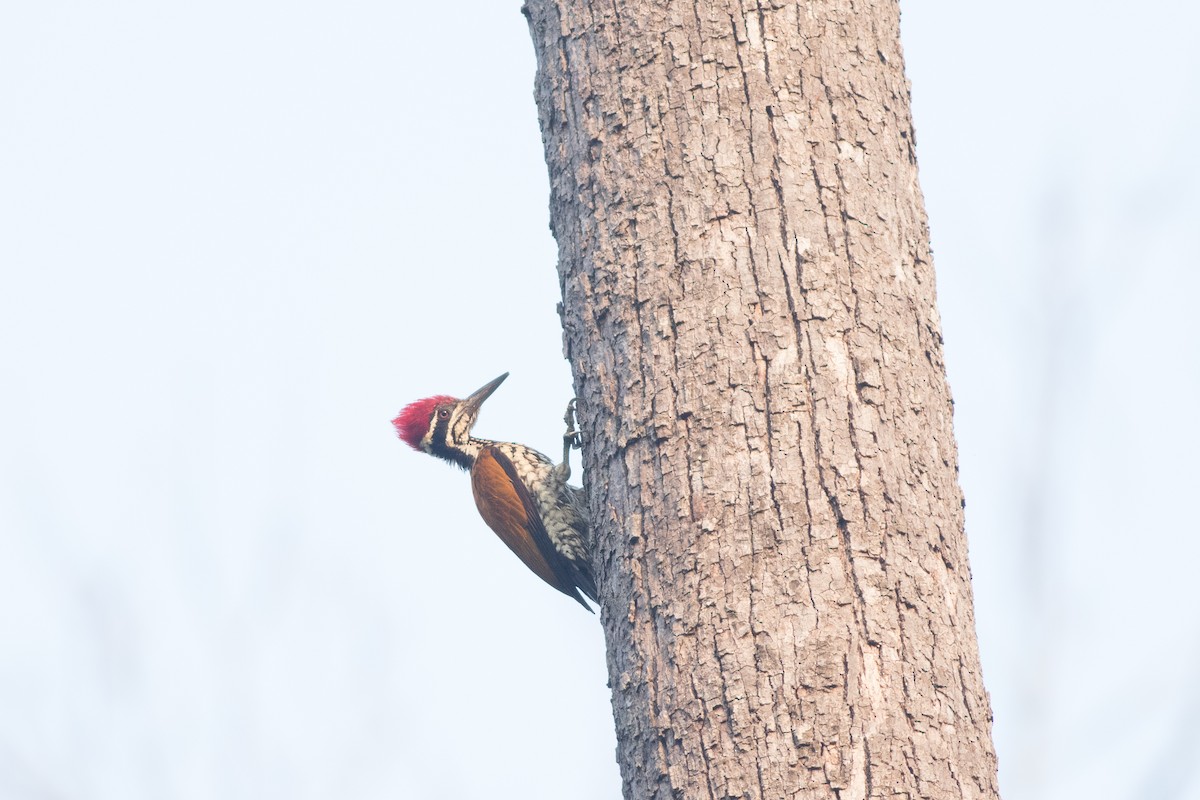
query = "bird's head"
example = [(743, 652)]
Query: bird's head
[(441, 425)]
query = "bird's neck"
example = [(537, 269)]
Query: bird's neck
[(463, 455)]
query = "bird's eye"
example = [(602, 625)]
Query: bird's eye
[(443, 413)]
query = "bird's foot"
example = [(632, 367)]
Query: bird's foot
[(571, 439)]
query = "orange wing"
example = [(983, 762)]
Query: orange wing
[(508, 511)]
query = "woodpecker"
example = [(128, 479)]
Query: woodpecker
[(520, 494)]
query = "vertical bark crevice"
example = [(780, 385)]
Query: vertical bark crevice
[(749, 311)]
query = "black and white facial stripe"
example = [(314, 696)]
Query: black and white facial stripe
[(449, 434)]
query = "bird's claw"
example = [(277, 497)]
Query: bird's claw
[(571, 438)]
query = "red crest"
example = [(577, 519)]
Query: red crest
[(413, 422)]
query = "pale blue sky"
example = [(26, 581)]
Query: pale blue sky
[(236, 238)]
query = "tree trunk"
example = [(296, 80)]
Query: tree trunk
[(748, 305)]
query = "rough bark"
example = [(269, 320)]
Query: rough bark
[(748, 306)]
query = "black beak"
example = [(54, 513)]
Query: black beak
[(472, 403)]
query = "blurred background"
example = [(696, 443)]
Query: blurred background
[(235, 238)]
